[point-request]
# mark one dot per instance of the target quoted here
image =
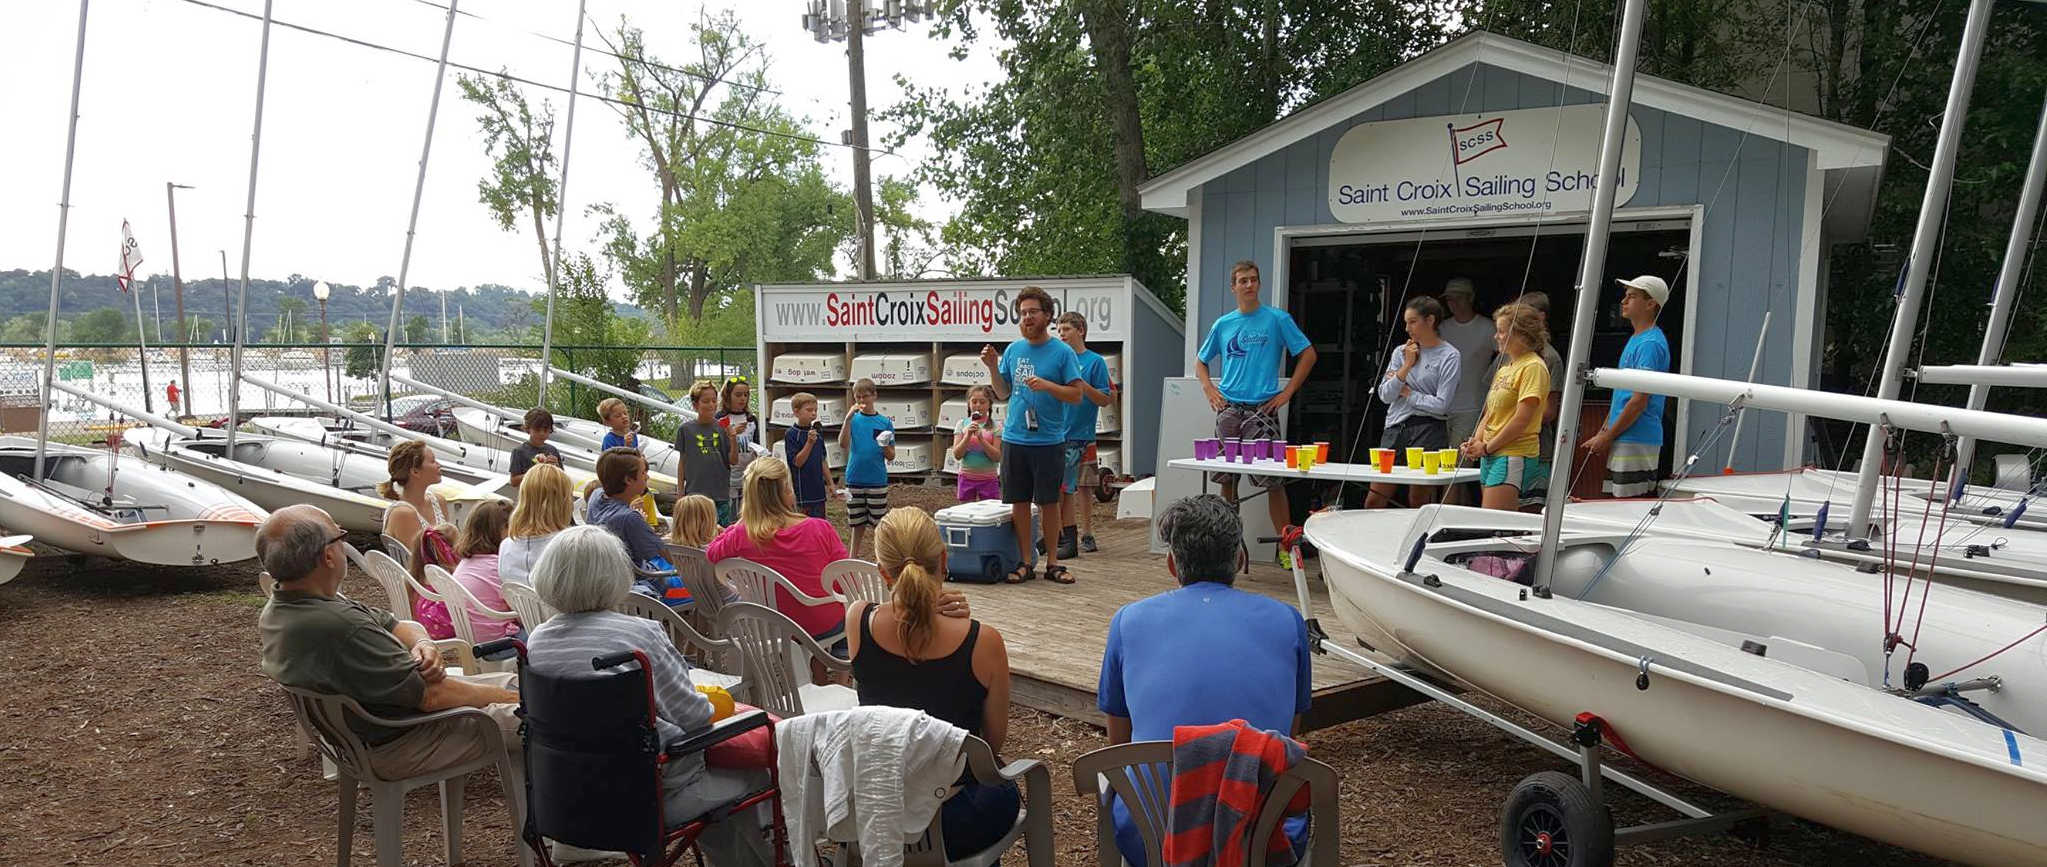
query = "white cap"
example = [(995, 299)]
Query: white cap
[(1652, 286), (1459, 286)]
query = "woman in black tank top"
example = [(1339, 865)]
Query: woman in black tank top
[(916, 659)]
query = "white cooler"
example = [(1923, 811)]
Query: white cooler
[(952, 411), (903, 369), (905, 412), (964, 369), (830, 412), (1110, 457), (1115, 365), (808, 368), (911, 458)]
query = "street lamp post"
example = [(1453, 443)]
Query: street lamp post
[(178, 285), (320, 292)]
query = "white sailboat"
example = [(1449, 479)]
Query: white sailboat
[(494, 430), (96, 502), (1778, 678)]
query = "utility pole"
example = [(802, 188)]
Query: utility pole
[(227, 310), (170, 194), (852, 20)]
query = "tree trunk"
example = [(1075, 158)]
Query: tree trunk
[(540, 234), (1108, 28)]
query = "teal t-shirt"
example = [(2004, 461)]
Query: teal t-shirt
[(1080, 421), (1050, 360), (1649, 350), (1252, 347), (865, 465)]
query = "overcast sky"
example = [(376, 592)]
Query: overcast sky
[(170, 86)]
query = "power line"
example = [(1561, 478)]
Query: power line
[(711, 79), (364, 43)]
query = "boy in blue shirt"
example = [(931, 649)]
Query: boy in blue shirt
[(1633, 433), (1082, 473), (803, 445), (1253, 342), (1040, 377), (869, 439)]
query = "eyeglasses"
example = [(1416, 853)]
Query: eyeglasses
[(338, 536), (735, 380)]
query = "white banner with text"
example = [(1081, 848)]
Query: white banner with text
[(1535, 161)]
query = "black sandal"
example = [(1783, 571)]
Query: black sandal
[(1018, 575), (1058, 575)]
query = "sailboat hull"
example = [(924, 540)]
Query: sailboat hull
[(162, 518), (481, 427), (1773, 733), (13, 559)]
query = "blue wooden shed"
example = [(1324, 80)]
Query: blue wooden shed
[(1475, 160)]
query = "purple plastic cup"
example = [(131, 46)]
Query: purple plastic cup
[(1232, 447), (1205, 449)]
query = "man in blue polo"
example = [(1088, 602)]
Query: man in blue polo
[(1253, 342), (1633, 433)]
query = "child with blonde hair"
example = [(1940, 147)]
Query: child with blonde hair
[(696, 521)]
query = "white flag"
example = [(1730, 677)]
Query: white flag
[(131, 257)]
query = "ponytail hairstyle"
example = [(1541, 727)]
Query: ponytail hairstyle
[(1526, 323), (908, 548), (768, 502), (406, 457), (484, 530)]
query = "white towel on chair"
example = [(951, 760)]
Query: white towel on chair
[(872, 775)]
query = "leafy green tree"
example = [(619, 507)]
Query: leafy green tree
[(364, 350), (105, 325), (518, 138), (418, 329), (583, 316), (743, 198), (28, 328)]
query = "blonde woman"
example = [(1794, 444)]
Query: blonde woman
[(419, 521), (905, 654), (546, 507), (773, 533), (696, 522), (1508, 442)]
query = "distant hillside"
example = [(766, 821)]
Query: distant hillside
[(491, 311)]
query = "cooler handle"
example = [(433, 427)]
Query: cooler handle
[(957, 537)]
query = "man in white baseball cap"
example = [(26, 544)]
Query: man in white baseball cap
[(1633, 433)]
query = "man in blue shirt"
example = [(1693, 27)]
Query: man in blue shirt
[(1040, 377), (1633, 433), (1082, 474), (1253, 342), (1203, 653)]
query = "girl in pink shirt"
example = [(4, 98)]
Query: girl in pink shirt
[(477, 545)]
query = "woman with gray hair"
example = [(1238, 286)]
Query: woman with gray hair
[(584, 573)]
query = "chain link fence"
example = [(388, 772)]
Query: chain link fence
[(346, 374)]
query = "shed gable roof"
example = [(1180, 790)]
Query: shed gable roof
[(1838, 147)]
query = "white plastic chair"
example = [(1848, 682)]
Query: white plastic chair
[(327, 715), (1033, 816), (851, 581), (396, 550), (464, 610), (525, 602), (766, 640), (756, 583), (390, 575), (715, 652), (701, 578)]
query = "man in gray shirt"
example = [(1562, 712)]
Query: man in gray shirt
[(1420, 386)]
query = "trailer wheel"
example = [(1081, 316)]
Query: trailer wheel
[(1551, 820)]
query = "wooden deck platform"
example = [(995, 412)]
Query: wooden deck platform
[(1056, 634)]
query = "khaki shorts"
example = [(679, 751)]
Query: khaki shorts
[(450, 742)]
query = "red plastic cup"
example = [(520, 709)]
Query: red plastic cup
[(1385, 460)]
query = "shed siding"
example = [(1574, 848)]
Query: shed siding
[(1752, 187)]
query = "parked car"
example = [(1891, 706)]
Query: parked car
[(425, 413)]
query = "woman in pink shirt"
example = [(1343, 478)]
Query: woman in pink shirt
[(773, 533), (482, 532)]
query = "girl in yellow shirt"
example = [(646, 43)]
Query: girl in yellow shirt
[(1508, 442)]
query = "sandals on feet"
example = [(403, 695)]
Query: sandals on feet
[(1058, 575), (1018, 575)]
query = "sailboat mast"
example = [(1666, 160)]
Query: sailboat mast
[(234, 383), (412, 225), (561, 207), (1925, 241), (57, 270), (1591, 275), (2007, 288)]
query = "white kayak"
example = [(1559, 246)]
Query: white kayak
[(275, 472), (482, 427), (150, 515), (1799, 721)]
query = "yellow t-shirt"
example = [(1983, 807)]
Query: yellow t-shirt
[(1516, 381)]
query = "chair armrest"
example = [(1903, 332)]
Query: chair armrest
[(718, 733), (1021, 768), (807, 600), (651, 573), (420, 719), (817, 652)]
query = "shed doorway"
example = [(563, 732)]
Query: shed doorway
[(1347, 291)]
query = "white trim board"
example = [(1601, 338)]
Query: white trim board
[(1837, 146), (1658, 218)]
